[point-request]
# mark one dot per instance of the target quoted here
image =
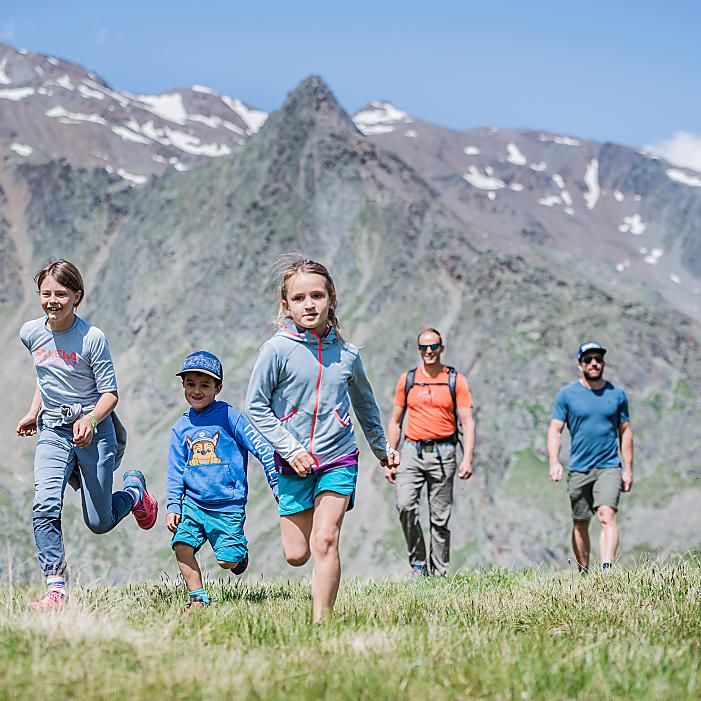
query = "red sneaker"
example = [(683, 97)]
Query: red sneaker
[(53, 599), (146, 511)]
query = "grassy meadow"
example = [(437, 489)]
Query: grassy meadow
[(629, 634)]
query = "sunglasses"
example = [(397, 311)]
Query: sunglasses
[(423, 347), (587, 359)]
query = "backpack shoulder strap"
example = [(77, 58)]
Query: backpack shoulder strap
[(452, 381), (409, 382)]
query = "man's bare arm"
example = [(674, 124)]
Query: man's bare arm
[(625, 434), (554, 441)]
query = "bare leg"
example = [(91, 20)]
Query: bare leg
[(295, 531), (225, 565), (190, 570), (608, 540), (329, 510), (580, 543)]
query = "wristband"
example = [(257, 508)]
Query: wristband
[(93, 419)]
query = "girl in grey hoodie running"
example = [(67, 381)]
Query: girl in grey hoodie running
[(299, 396)]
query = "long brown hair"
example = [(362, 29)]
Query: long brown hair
[(289, 266), (65, 273)]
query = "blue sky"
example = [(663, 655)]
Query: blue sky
[(626, 72)]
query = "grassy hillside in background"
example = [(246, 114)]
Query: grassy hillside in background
[(496, 634)]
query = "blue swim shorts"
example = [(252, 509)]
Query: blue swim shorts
[(298, 493), (224, 532)]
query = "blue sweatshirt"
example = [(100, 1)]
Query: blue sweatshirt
[(209, 457), (300, 393)]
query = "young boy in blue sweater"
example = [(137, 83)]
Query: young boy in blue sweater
[(207, 485)]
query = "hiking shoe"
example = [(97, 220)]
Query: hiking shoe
[(241, 567), (418, 572), (146, 511), (52, 599), (196, 602)]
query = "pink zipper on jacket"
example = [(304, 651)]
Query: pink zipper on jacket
[(318, 393)]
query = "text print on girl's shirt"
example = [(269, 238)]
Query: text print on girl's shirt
[(49, 356)]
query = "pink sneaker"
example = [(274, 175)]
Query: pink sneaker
[(53, 599), (146, 511)]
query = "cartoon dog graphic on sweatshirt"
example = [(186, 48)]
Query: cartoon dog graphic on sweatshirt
[(203, 447)]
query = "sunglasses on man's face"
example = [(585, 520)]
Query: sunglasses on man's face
[(423, 347), (587, 359)]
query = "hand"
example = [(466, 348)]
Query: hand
[(172, 521), (555, 472), (82, 432), (391, 460), (302, 463), (627, 480), (391, 475), (27, 425), (465, 469)]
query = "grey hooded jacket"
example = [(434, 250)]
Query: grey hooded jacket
[(300, 393)]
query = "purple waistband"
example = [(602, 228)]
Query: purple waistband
[(284, 468)]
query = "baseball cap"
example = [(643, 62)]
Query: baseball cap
[(590, 346), (203, 361)]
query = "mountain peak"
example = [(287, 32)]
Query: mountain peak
[(312, 100)]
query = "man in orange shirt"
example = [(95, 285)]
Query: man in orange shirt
[(432, 396)]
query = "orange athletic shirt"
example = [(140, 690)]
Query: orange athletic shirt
[(430, 413)]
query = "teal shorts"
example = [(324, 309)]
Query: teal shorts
[(298, 493), (224, 532)]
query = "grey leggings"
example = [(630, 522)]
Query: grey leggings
[(55, 459)]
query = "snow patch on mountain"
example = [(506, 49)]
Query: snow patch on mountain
[(591, 179), (538, 167), (550, 200), (170, 137), (16, 94), (481, 180), (514, 155), (89, 93), (129, 135), (132, 177), (253, 119), (684, 178), (561, 140), (411, 133), (202, 89), (516, 187), (65, 82), (380, 118), (168, 106), (4, 78), (65, 117), (471, 151), (633, 224), (21, 149), (121, 99), (654, 255), (214, 122), (618, 196)]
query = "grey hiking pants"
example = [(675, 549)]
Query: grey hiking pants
[(436, 469)]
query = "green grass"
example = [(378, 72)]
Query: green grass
[(488, 635)]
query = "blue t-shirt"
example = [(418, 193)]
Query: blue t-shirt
[(73, 366), (593, 417), (208, 459)]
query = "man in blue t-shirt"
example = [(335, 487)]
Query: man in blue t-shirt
[(596, 414)]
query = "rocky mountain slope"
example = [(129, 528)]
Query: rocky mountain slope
[(62, 110), (616, 215), (182, 262)]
